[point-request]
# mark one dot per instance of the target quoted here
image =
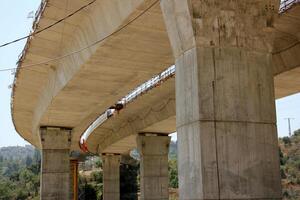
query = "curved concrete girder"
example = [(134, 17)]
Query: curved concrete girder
[(57, 98), (29, 82), (152, 112), (137, 65), (61, 102), (286, 52)]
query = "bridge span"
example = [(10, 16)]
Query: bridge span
[(232, 58)]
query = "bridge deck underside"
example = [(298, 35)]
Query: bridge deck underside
[(73, 91)]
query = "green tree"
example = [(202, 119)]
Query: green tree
[(128, 181), (286, 140), (290, 166), (97, 176), (297, 133), (89, 192), (28, 161), (98, 163), (6, 190), (173, 173)]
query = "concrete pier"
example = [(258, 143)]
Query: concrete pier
[(154, 180), (111, 176), (55, 172), (225, 106)]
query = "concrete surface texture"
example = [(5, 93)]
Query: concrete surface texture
[(286, 50), (55, 172), (154, 176), (229, 56), (225, 121), (111, 176)]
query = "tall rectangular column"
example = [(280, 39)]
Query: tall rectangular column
[(225, 105), (154, 176), (111, 176), (55, 172)]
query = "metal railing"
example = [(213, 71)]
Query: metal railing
[(287, 4), (134, 94), (153, 82)]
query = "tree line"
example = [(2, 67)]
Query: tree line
[(20, 173)]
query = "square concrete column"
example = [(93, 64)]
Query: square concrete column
[(111, 176), (225, 105), (154, 176), (55, 172)]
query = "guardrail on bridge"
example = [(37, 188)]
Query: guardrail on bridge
[(287, 4)]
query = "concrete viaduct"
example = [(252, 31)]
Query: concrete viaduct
[(233, 58)]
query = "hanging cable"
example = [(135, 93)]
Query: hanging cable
[(47, 27), (80, 50), (87, 47)]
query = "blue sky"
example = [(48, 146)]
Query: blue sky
[(14, 24)]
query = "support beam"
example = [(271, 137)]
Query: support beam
[(111, 176), (225, 106), (74, 179), (55, 172), (154, 174)]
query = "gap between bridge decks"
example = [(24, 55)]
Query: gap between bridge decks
[(130, 97)]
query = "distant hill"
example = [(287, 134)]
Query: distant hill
[(17, 152)]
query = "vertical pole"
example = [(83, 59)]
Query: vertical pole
[(289, 125), (290, 132), (74, 168)]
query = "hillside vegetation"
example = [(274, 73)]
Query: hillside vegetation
[(290, 165), (20, 173)]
